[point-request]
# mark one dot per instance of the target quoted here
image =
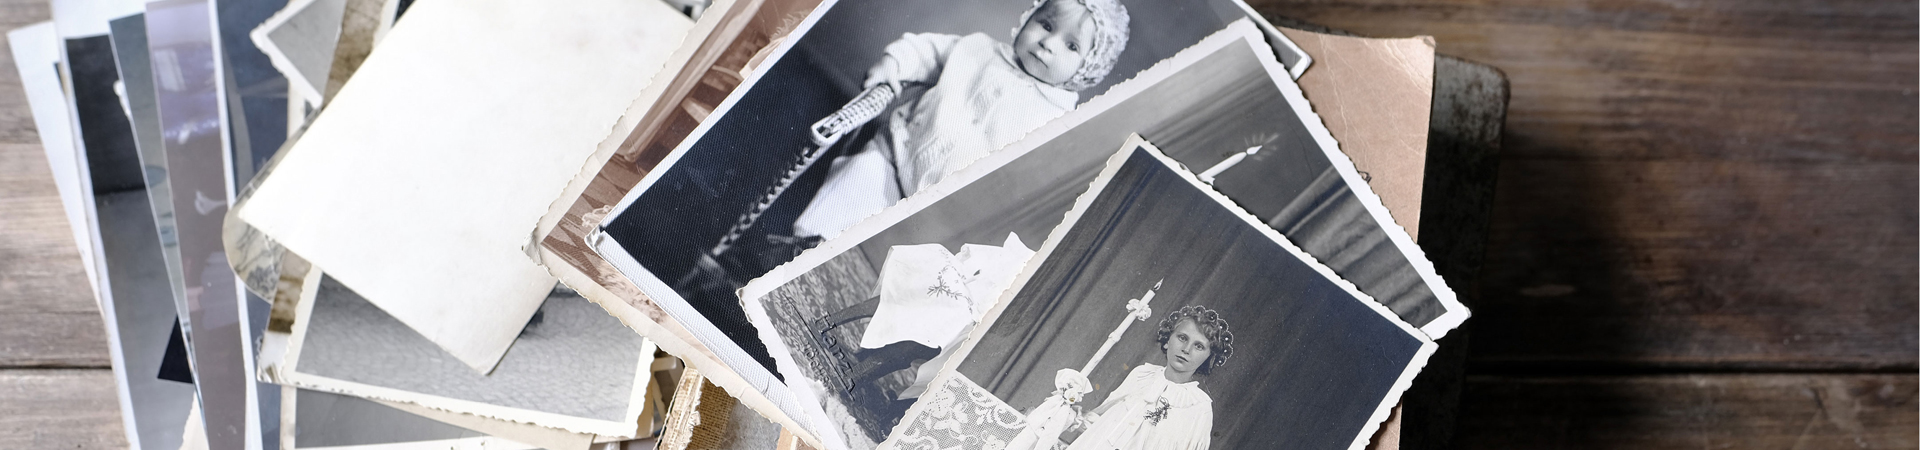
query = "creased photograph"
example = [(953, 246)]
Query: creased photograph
[(1160, 315)]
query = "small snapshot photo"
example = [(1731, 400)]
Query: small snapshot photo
[(573, 367), (868, 331), (867, 103), (1161, 316)]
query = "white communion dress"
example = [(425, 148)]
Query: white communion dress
[(1149, 412)]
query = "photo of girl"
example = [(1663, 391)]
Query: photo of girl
[(1162, 407), (1075, 356)]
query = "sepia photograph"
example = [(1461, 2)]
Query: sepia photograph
[(819, 314), (1162, 316), (867, 103)]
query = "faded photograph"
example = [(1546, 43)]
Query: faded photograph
[(572, 367), (1161, 318), (877, 100)]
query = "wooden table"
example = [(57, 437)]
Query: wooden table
[(1705, 231)]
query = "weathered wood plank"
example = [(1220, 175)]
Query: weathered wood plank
[(1710, 184), (1803, 80), (47, 312), (59, 409), (1691, 411), (48, 316), (1708, 264), (16, 122)]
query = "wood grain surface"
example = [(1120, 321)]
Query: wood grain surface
[(1690, 185), (1800, 411), (48, 318), (59, 409), (1704, 230)]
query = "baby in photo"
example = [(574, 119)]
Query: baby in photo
[(962, 97)]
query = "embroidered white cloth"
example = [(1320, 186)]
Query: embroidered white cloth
[(1149, 412), (933, 297)]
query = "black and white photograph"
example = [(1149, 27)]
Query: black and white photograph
[(143, 113), (136, 284), (573, 367), (866, 103), (863, 340), (1162, 316), (817, 312), (139, 302), (254, 92), (180, 41)]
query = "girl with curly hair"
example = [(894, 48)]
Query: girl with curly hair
[(1162, 407)]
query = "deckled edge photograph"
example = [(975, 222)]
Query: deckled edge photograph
[(344, 421), (961, 412), (287, 352)]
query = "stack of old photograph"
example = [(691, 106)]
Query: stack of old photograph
[(825, 224)]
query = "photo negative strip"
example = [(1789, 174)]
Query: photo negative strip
[(868, 102), (1162, 315), (818, 314)]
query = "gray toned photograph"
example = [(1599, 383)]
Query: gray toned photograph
[(572, 359), (140, 297), (1161, 318), (332, 420), (184, 63)]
